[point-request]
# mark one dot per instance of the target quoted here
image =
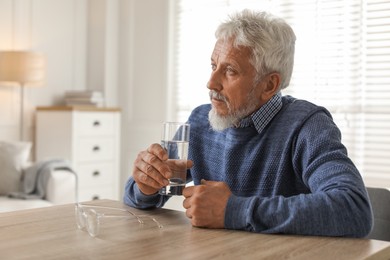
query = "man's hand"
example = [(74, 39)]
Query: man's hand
[(151, 171), (205, 204)]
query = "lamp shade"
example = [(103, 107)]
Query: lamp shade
[(22, 67)]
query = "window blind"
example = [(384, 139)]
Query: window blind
[(375, 102), (342, 62)]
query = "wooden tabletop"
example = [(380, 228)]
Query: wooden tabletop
[(51, 233)]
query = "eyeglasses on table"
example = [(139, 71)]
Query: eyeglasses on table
[(87, 218)]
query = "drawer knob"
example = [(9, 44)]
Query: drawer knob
[(95, 197), (96, 148), (96, 173), (96, 123)]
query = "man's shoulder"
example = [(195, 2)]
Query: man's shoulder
[(296, 112), (300, 106)]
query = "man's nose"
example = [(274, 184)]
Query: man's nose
[(215, 81)]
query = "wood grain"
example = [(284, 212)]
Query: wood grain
[(51, 233)]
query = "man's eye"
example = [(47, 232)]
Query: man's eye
[(230, 70), (213, 67)]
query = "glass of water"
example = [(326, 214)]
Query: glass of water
[(175, 140)]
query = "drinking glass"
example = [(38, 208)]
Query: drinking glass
[(175, 140)]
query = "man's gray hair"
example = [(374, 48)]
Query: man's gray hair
[(271, 40)]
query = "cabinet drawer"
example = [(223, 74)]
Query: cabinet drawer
[(95, 149), (95, 123), (96, 193), (95, 174)]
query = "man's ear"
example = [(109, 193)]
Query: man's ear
[(272, 85)]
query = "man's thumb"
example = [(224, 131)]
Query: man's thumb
[(210, 183)]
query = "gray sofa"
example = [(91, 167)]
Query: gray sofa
[(32, 185)]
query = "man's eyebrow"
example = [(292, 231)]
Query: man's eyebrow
[(229, 62)]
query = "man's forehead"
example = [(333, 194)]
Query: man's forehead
[(226, 49)]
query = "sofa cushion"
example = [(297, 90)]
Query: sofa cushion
[(13, 156), (9, 204)]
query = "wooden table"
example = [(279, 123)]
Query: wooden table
[(51, 233)]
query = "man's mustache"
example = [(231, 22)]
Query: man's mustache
[(215, 95)]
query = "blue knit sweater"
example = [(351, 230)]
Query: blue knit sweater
[(294, 176)]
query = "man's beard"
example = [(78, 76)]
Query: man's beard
[(220, 123)]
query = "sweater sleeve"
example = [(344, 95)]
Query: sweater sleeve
[(337, 204), (135, 198)]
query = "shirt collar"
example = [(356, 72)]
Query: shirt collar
[(264, 114)]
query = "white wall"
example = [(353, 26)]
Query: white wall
[(117, 46), (55, 28), (143, 70)]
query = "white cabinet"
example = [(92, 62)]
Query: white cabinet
[(90, 139)]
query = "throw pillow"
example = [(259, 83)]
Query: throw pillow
[(13, 155)]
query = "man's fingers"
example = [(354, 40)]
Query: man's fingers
[(153, 164), (150, 172), (158, 151), (190, 164), (144, 180)]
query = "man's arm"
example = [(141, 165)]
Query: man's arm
[(338, 204), (135, 198), (150, 174)]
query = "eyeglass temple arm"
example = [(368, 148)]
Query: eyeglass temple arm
[(124, 210)]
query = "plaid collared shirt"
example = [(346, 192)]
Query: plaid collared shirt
[(264, 115)]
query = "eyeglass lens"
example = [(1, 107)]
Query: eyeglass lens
[(89, 219), (93, 222)]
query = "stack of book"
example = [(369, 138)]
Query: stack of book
[(84, 98)]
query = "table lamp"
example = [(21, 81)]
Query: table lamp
[(22, 68)]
